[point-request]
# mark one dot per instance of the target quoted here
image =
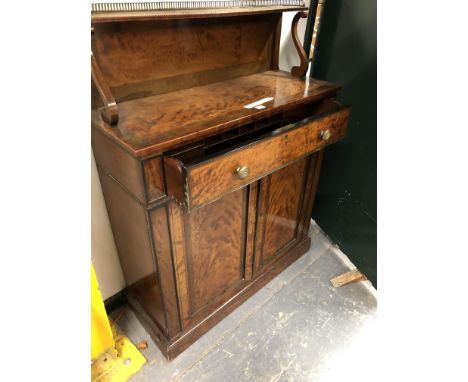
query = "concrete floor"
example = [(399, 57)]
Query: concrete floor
[(297, 328)]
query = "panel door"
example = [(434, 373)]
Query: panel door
[(281, 212), (213, 247)]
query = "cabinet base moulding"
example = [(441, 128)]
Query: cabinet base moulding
[(172, 349)]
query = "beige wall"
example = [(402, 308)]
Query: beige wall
[(103, 251)]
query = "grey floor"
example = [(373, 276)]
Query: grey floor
[(297, 328)]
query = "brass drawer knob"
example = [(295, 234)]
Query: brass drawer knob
[(243, 172), (325, 134)]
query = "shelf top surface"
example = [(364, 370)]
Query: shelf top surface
[(148, 126)]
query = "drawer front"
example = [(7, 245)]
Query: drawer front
[(208, 180)]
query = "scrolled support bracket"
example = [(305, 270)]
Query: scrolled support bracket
[(110, 112), (301, 70)]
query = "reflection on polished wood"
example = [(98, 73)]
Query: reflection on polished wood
[(154, 124), (209, 194)]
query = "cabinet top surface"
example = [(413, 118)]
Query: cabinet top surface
[(151, 125)]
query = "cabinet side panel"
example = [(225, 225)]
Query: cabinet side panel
[(114, 160), (131, 234), (161, 240), (176, 218)]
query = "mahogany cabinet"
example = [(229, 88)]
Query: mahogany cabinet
[(208, 157)]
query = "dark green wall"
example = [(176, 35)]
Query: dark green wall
[(346, 203)]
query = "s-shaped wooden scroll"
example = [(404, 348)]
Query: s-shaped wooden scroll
[(301, 70), (109, 113)]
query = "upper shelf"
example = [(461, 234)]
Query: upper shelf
[(174, 10), (151, 125)]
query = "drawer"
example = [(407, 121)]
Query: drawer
[(193, 179)]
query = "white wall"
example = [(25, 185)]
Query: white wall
[(103, 251), (288, 56)]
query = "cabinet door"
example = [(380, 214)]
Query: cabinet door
[(282, 211), (213, 247)]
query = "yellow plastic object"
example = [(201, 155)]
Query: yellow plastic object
[(120, 365), (101, 332), (114, 357)]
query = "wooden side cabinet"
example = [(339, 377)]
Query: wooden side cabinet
[(208, 196)]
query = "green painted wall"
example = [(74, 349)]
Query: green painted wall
[(346, 204)]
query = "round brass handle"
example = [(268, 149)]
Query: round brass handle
[(325, 135), (243, 172)]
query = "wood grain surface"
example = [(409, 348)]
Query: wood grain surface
[(310, 191), (176, 224), (164, 264), (199, 328), (251, 231), (147, 58), (155, 124), (216, 242), (154, 179), (208, 180), (282, 208)]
